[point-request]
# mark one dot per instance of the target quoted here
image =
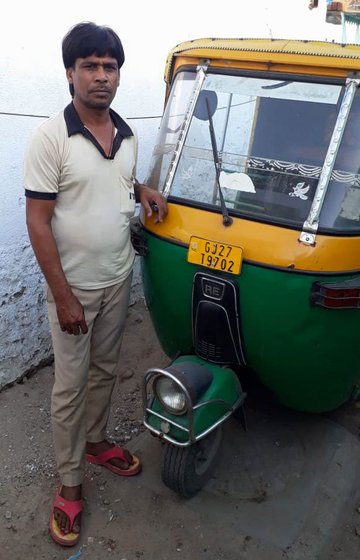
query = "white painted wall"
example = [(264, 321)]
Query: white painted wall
[(25, 341), (32, 80)]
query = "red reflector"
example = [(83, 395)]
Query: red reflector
[(351, 292), (339, 303), (337, 295)]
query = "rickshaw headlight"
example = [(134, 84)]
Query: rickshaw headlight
[(181, 385), (170, 395)]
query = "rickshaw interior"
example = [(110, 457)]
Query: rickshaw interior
[(272, 138)]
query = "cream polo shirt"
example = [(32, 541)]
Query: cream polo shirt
[(94, 196)]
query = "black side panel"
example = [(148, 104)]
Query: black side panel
[(216, 329)]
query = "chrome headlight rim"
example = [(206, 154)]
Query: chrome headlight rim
[(177, 386), (188, 378)]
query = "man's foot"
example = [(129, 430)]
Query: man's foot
[(116, 459), (66, 515)]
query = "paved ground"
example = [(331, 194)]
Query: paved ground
[(287, 488)]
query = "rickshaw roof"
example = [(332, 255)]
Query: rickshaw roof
[(320, 54)]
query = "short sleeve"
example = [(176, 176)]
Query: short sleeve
[(42, 164)]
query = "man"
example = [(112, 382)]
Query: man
[(80, 195)]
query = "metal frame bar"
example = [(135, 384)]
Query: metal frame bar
[(200, 77), (190, 411), (311, 224)]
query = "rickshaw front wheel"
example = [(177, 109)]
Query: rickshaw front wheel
[(186, 470)]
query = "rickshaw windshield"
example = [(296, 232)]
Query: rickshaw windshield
[(272, 138)]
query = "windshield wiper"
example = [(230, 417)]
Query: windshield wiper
[(276, 86), (227, 220)]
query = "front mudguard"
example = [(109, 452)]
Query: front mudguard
[(220, 400)]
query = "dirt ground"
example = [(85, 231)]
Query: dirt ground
[(28, 479), (28, 476)]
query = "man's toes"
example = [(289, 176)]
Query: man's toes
[(128, 456), (123, 464), (129, 460), (76, 526), (62, 521)]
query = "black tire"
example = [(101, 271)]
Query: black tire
[(186, 470)]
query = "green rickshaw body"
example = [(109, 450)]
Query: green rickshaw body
[(306, 356)]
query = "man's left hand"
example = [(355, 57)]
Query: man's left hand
[(152, 202)]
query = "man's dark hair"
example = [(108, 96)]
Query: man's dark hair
[(87, 38)]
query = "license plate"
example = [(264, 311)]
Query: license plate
[(215, 255)]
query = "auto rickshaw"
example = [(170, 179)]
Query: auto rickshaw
[(255, 272)]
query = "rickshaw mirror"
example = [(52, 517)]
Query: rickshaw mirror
[(201, 111)]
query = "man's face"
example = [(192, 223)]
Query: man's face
[(95, 80)]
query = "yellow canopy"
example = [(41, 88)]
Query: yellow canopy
[(270, 51)]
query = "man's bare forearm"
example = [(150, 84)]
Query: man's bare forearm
[(69, 309), (46, 252)]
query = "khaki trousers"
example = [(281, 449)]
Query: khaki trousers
[(85, 374)]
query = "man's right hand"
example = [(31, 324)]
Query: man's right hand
[(71, 316), (70, 312)]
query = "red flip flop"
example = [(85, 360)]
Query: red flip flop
[(115, 452), (71, 509)]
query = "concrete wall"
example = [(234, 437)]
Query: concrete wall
[(25, 342)]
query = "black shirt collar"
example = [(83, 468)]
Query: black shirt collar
[(75, 126)]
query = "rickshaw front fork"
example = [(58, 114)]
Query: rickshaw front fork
[(210, 389)]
